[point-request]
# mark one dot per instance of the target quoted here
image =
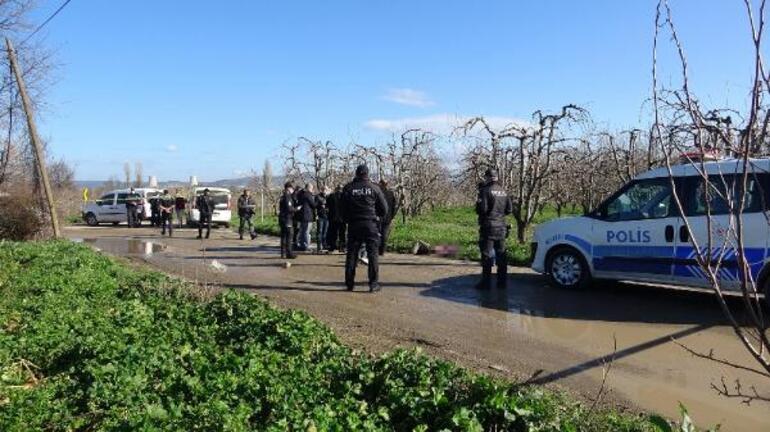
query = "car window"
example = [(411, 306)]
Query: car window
[(644, 199), (219, 197), (106, 199), (122, 198), (721, 194)]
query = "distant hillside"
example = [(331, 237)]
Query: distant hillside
[(233, 184)]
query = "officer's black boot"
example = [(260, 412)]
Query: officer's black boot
[(486, 276), (502, 271), (502, 276)]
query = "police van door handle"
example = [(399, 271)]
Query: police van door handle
[(669, 233), (683, 234)]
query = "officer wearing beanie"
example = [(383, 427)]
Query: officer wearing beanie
[(492, 205), (363, 207)]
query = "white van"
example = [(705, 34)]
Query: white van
[(637, 234), (111, 206), (222, 206)]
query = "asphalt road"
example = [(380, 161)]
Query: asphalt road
[(529, 331)]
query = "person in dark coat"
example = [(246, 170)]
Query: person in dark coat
[(180, 204), (297, 217), (287, 207), (306, 200), (337, 228), (363, 207), (155, 210), (166, 204), (205, 205), (390, 198), (492, 206), (132, 201), (245, 213), (322, 221)]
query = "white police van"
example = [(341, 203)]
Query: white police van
[(638, 234)]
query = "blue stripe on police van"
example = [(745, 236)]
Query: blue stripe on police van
[(631, 258), (586, 246), (632, 265), (634, 251)]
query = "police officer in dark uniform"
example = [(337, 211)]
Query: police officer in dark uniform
[(287, 207), (205, 205), (492, 205), (363, 206), (245, 212), (166, 204)]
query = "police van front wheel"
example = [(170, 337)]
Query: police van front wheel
[(568, 269)]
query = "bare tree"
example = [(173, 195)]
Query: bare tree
[(523, 156), (267, 187), (36, 65), (127, 174), (718, 235), (138, 174)]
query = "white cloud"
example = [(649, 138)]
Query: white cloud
[(409, 97), (171, 148), (439, 123)]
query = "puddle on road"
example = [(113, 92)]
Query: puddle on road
[(642, 321), (124, 246)]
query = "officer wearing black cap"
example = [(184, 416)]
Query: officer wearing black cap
[(492, 205), (363, 207)]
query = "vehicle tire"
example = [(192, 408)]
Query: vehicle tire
[(227, 225), (567, 269), (91, 219)]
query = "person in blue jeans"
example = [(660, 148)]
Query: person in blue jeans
[(307, 202), (322, 223)]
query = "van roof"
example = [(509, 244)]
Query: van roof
[(211, 188), (727, 166), (137, 189)]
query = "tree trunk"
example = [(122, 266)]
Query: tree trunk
[(521, 229)]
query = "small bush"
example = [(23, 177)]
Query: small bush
[(19, 217)]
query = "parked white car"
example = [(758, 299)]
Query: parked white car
[(111, 207), (222, 206), (638, 234)]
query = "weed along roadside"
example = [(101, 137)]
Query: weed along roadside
[(136, 350)]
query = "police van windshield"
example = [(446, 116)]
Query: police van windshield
[(644, 199)]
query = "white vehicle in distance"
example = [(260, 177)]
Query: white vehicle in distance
[(222, 206), (111, 206), (638, 235)]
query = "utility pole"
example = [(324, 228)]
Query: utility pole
[(37, 148)]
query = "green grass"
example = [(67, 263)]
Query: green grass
[(448, 226), (87, 343)]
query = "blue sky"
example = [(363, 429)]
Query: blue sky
[(214, 88)]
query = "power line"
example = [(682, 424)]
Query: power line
[(40, 27)]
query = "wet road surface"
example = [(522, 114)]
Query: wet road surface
[(529, 331)]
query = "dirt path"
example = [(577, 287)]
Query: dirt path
[(560, 338)]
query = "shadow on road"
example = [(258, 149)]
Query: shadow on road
[(616, 302)]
